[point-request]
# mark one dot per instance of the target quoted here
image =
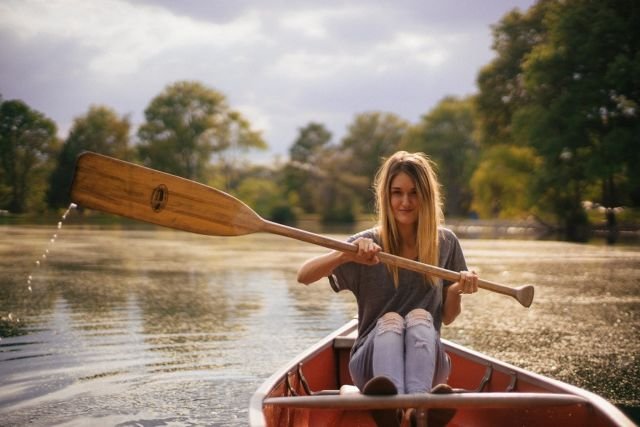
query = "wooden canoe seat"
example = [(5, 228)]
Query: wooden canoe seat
[(345, 342)]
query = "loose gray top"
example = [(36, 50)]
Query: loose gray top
[(376, 295)]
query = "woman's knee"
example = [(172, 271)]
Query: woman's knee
[(390, 322), (419, 316), (420, 331)]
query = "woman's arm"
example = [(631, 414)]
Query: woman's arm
[(318, 267), (452, 305), (322, 266)]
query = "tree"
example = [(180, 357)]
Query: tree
[(446, 135), (101, 131), (565, 84), (337, 194), (583, 117), (237, 138), (501, 180), (370, 138), (501, 82), (27, 143), (301, 170), (186, 124), (266, 197), (311, 139)]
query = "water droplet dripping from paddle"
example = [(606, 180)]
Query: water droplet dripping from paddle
[(52, 240)]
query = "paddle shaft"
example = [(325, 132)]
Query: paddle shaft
[(523, 294), (122, 188)]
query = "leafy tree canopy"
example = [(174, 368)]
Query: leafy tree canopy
[(186, 124), (100, 131), (27, 140), (501, 181), (301, 173), (370, 138), (446, 134), (311, 139)]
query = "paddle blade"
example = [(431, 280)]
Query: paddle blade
[(122, 188)]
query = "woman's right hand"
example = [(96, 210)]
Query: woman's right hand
[(367, 251)]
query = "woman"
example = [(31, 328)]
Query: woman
[(400, 312)]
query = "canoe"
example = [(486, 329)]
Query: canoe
[(310, 391)]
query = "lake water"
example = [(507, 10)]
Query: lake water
[(154, 327)]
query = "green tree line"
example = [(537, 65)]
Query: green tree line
[(553, 129)]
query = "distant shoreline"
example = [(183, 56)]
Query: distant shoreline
[(465, 228)]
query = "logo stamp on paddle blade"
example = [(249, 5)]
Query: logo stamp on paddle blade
[(159, 197)]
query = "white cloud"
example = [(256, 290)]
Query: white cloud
[(118, 36), (317, 22), (431, 50), (402, 50), (307, 65), (307, 23)]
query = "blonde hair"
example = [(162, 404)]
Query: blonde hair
[(420, 168)]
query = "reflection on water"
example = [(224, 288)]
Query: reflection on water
[(157, 327)]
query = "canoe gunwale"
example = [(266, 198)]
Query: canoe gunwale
[(424, 401)]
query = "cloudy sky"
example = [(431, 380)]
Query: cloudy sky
[(281, 63)]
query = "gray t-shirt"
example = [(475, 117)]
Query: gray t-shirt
[(376, 295)]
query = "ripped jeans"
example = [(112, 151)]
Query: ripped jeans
[(406, 350)]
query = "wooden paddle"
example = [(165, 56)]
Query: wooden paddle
[(144, 194)]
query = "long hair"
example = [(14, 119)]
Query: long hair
[(420, 168)]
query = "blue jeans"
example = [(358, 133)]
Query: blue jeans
[(406, 350)]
